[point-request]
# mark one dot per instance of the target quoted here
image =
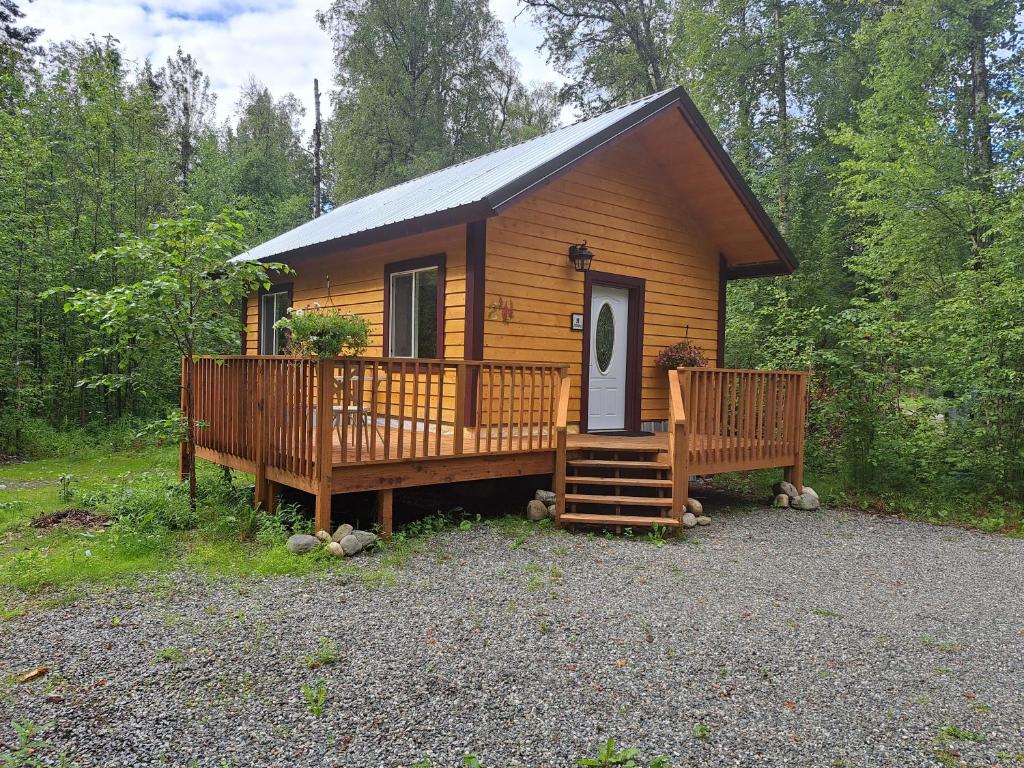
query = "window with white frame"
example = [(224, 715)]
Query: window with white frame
[(413, 313), (273, 306)]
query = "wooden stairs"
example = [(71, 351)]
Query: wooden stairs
[(619, 482)]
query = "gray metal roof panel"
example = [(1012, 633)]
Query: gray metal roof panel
[(470, 182)]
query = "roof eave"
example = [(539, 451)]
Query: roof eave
[(788, 262), (507, 195), (421, 224)]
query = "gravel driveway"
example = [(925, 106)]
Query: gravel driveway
[(769, 638)]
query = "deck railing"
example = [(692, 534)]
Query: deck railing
[(743, 419), (265, 410)]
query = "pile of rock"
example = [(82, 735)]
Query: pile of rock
[(541, 506), (694, 514), (787, 495), (345, 542)]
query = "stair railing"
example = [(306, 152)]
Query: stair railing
[(678, 446), (561, 430)]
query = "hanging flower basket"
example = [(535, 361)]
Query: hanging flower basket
[(681, 355), (324, 332)]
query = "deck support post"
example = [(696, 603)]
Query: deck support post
[(385, 505), (325, 443), (795, 473), (273, 491), (260, 437)]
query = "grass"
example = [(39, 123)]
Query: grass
[(939, 506), (219, 541), (948, 646), (154, 532), (325, 653), (171, 654)]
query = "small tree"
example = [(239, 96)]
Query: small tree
[(187, 297)]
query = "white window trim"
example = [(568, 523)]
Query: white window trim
[(267, 332), (415, 313)]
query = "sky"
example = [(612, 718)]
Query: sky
[(276, 41)]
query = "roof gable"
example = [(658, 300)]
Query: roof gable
[(482, 187)]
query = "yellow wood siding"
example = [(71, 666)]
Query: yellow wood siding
[(357, 284), (622, 204)]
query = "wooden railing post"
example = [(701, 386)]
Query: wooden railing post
[(795, 473), (325, 442), (259, 436), (561, 429), (460, 406), (679, 447)]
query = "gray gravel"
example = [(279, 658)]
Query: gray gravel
[(811, 639)]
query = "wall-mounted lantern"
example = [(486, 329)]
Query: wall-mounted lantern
[(580, 256)]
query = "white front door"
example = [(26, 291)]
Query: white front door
[(609, 334)]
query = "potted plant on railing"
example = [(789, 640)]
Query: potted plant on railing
[(317, 331), (681, 355)]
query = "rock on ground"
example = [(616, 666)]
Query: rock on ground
[(787, 488), (365, 538), (805, 501), (536, 510), (334, 548), (351, 545), (797, 640), (301, 543), (694, 507), (341, 532), (689, 520)]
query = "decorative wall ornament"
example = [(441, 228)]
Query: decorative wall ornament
[(501, 309)]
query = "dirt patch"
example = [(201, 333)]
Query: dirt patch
[(73, 517)]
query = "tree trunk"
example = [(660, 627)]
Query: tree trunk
[(981, 126), (317, 206), (782, 108)]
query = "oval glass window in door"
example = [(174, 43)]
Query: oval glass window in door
[(605, 337)]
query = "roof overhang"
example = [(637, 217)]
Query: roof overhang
[(779, 258)]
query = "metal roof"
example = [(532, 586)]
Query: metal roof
[(469, 182), (479, 188)]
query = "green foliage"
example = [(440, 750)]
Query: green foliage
[(611, 755), (315, 696), (29, 749), (325, 653), (325, 332), (420, 87), (170, 654)]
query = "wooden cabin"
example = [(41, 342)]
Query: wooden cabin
[(518, 303)]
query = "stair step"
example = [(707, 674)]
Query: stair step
[(582, 517), (630, 501), (617, 464), (630, 482)]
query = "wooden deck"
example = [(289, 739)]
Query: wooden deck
[(397, 423)]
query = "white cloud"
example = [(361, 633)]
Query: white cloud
[(276, 41)]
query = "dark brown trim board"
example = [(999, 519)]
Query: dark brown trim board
[(275, 288), (637, 287), (742, 271), (723, 279), (435, 260), (476, 265)]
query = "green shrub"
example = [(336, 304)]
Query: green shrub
[(147, 503)]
